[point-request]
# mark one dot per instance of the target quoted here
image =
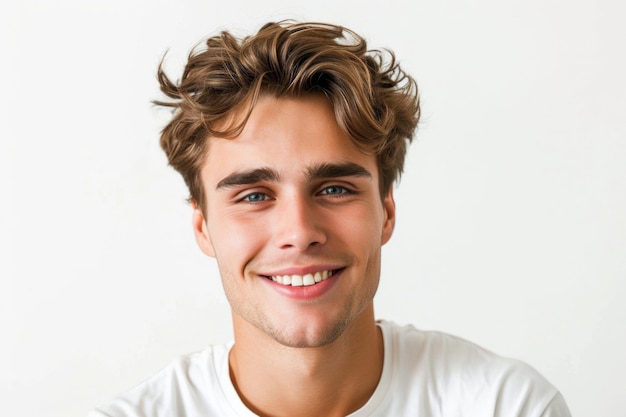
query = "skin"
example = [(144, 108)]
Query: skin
[(293, 195)]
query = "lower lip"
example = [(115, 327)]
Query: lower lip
[(308, 292)]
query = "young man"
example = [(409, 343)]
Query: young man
[(290, 141)]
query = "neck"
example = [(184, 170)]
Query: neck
[(332, 380)]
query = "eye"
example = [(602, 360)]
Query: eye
[(255, 197), (334, 190)]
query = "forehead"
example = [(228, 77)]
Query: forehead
[(287, 135)]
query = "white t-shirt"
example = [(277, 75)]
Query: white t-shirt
[(429, 374)]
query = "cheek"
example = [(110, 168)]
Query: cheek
[(235, 240), (364, 227)]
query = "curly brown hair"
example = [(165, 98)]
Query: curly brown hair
[(375, 102)]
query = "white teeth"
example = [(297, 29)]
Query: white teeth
[(302, 280), (308, 279)]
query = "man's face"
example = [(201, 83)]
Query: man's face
[(295, 220)]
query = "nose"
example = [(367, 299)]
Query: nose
[(298, 224)]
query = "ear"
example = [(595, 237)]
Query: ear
[(201, 231), (389, 208)]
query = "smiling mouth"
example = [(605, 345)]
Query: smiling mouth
[(305, 280)]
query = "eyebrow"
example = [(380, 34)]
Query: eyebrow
[(344, 169), (313, 173), (252, 176)]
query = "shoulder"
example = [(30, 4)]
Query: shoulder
[(457, 373), (181, 385), (452, 355)]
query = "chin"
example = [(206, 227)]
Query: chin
[(309, 335)]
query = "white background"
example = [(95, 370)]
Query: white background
[(511, 214)]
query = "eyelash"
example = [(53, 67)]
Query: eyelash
[(247, 198), (342, 191)]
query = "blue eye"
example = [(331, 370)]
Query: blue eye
[(334, 190), (255, 197)]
